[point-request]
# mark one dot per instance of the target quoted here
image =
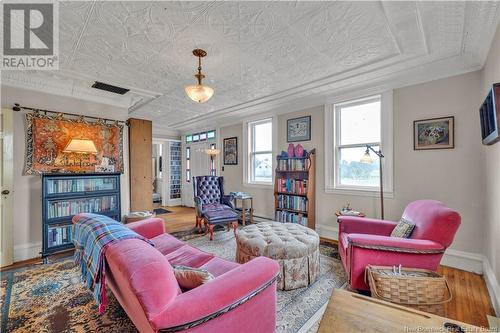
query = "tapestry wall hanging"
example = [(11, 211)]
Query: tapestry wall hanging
[(56, 144)]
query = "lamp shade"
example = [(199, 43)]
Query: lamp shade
[(367, 158), (80, 146), (199, 93), (212, 151)]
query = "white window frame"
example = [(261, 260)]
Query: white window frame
[(248, 151), (332, 126)]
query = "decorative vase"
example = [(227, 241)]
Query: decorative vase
[(299, 151), (291, 150)]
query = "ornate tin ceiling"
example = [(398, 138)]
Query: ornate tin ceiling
[(259, 53)]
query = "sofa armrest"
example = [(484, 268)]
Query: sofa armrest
[(148, 228), (218, 296), (363, 225), (395, 244)]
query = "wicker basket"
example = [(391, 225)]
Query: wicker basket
[(421, 289)]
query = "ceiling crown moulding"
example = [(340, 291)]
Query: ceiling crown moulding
[(263, 56)]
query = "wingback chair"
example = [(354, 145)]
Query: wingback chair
[(209, 195), (364, 241)]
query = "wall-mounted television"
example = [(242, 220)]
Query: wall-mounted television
[(489, 114)]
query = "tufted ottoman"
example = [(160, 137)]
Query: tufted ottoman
[(294, 247)]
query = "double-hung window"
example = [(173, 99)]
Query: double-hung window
[(356, 124), (260, 151)]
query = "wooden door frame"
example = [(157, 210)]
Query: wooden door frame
[(7, 205)]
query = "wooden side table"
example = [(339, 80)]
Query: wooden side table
[(246, 207), (349, 312)]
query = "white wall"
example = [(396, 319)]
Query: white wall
[(491, 157), (27, 189), (452, 176)]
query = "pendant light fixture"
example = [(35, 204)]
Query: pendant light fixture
[(198, 92)]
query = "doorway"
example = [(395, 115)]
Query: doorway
[(196, 163), (167, 172)]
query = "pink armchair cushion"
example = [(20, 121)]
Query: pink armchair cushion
[(433, 221), (395, 244), (361, 225)]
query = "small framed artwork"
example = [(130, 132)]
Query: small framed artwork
[(298, 129), (231, 151), (435, 133)]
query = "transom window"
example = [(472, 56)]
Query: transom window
[(357, 124), (199, 137), (260, 149)]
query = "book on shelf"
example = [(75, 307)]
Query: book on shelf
[(84, 205), (292, 202), (292, 186), (283, 216), (59, 235), (293, 164), (80, 185)]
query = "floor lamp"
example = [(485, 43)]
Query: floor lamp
[(212, 152), (368, 159)]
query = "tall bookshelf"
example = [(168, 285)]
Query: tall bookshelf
[(294, 189), (65, 195)]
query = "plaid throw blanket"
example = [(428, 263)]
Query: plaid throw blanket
[(92, 234)]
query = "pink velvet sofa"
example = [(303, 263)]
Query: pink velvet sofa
[(364, 241), (241, 298)]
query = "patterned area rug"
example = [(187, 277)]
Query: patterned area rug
[(50, 298)]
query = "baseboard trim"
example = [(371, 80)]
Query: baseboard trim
[(173, 202), (467, 261), (328, 231), (492, 284), (27, 251)]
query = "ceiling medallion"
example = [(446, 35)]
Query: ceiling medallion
[(198, 92)]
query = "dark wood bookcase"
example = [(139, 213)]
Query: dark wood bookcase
[(65, 195), (294, 189)]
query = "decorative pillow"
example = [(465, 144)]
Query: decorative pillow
[(189, 277), (403, 229)]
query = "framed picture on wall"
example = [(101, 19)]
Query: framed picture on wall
[(231, 151), (298, 129), (435, 133)]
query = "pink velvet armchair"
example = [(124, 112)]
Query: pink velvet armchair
[(364, 241)]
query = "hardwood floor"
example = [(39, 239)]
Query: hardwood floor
[(471, 301), (470, 304), (181, 219)]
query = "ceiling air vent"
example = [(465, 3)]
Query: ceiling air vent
[(109, 87)]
